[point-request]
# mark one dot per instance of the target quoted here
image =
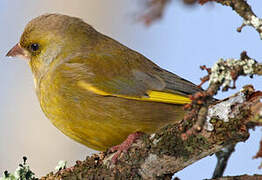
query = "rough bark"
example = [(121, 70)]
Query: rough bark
[(242, 177)]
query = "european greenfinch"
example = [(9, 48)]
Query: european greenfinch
[(94, 89)]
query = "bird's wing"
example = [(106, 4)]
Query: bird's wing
[(139, 86), (130, 77)]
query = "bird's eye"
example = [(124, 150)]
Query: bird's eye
[(34, 47)]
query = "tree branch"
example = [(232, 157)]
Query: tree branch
[(222, 159), (162, 154), (243, 9), (242, 177)]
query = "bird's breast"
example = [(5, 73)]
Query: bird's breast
[(100, 121)]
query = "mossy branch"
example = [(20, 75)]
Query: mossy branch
[(162, 154)]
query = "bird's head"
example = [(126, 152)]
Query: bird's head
[(50, 39)]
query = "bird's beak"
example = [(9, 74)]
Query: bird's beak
[(17, 51)]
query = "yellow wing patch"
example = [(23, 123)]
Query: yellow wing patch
[(155, 96), (91, 88), (159, 96)]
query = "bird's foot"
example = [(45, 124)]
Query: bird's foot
[(124, 146)]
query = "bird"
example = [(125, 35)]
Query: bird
[(94, 89)]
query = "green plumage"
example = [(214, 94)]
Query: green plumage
[(71, 51)]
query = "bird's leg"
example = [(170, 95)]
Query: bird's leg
[(124, 146)]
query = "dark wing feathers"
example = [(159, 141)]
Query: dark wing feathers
[(175, 83)]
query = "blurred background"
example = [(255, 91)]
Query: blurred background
[(185, 38)]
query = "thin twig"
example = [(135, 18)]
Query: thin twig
[(243, 9), (223, 74)]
